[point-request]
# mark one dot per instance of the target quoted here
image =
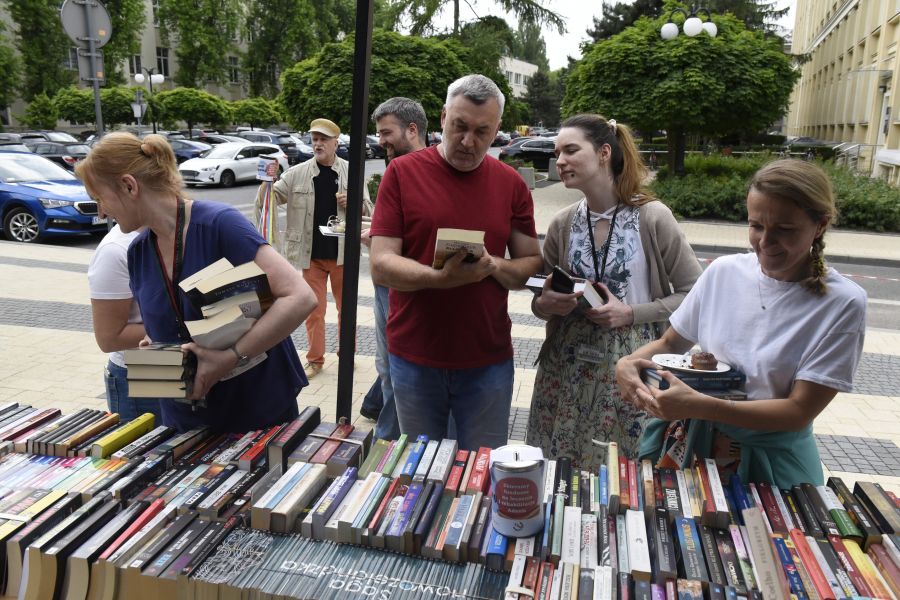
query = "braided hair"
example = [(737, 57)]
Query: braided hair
[(809, 188)]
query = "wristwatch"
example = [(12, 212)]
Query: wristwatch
[(242, 359)]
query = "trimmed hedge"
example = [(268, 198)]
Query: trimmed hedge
[(715, 187)]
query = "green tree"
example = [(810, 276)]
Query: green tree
[(322, 85), (543, 100), (280, 33), (739, 81), (128, 21), (10, 71), (423, 13), (42, 45), (756, 14), (256, 112), (206, 31), (193, 106), (40, 113), (75, 105), (528, 45), (115, 102)]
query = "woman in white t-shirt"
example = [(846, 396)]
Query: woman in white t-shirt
[(117, 321), (794, 326)]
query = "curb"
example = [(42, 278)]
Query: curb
[(834, 258)]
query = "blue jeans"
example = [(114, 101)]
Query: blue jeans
[(118, 401), (387, 427), (478, 399)]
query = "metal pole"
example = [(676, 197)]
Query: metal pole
[(92, 50), (150, 81), (359, 115)]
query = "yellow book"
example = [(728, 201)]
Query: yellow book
[(120, 438), (612, 477), (10, 527), (868, 570)]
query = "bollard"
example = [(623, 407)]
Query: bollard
[(527, 174), (552, 171)]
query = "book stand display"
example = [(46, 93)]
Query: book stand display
[(94, 509)]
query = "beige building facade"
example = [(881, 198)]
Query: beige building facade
[(846, 93)]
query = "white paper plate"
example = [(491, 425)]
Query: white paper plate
[(682, 362)]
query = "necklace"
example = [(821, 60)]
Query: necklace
[(759, 290)]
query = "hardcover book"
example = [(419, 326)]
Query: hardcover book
[(450, 241)]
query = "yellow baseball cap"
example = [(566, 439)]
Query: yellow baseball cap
[(325, 127)]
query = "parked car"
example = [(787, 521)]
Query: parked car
[(501, 139), (38, 198), (170, 135), (306, 151), (228, 163), (281, 139), (373, 147), (13, 147), (10, 138), (187, 149), (538, 151), (50, 136), (343, 149), (214, 139), (65, 155)]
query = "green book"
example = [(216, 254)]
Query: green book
[(374, 457)]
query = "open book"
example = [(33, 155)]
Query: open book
[(451, 241)]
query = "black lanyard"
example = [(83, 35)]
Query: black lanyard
[(171, 290), (612, 225)]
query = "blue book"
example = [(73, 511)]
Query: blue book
[(790, 569), (495, 558), (393, 537), (330, 501), (424, 524), (545, 536), (412, 461), (604, 485), (689, 551), (740, 496), (287, 487)]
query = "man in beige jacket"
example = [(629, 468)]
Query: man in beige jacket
[(315, 191)]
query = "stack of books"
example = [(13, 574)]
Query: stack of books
[(201, 515), (725, 384), (160, 371)]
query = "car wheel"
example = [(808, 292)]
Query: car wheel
[(370, 153), (226, 179), (21, 226)]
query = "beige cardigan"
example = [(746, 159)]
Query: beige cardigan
[(671, 262), (296, 189)]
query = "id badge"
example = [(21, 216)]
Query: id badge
[(590, 354)]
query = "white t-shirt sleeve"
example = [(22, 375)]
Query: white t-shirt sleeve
[(833, 360), (108, 273), (686, 318)]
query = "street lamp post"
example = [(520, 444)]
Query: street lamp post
[(151, 78), (692, 26)]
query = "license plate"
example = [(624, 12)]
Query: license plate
[(98, 220)]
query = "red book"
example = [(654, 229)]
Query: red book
[(144, 518), (251, 459), (393, 490), (454, 479), (36, 419), (708, 515), (812, 565), (856, 577), (480, 478), (327, 449), (545, 581), (657, 488), (885, 566), (770, 504), (893, 498), (633, 500), (530, 578), (624, 490)]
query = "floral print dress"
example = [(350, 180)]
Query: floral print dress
[(575, 394)]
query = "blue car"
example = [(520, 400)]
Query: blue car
[(187, 149), (39, 198)]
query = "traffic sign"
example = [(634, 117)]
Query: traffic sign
[(74, 15)]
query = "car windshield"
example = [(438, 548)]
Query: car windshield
[(27, 167), (218, 152), (60, 136), (285, 139)]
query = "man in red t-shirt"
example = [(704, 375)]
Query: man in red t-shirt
[(449, 329)]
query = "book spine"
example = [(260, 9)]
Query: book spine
[(849, 566), (845, 525), (859, 516), (415, 456), (826, 522), (816, 576), (454, 478), (480, 479)]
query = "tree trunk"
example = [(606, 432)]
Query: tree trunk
[(675, 144), (455, 18)]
